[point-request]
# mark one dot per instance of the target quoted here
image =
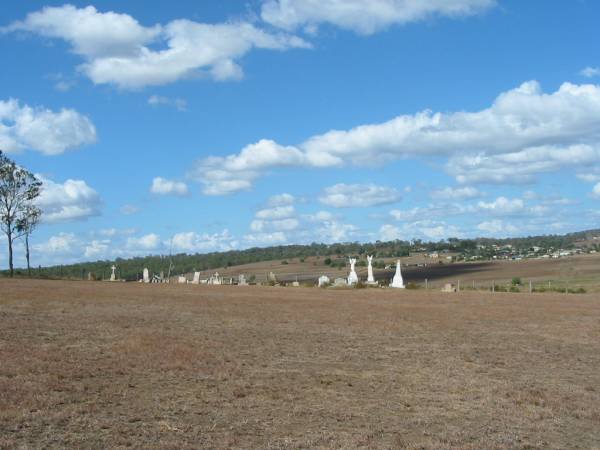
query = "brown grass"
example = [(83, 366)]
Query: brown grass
[(99, 365)]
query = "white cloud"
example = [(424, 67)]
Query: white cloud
[(278, 212), (276, 225), (458, 193), (363, 16), (596, 191), (420, 229), (69, 201), (497, 227), (159, 100), (162, 186), (192, 242), (281, 200), (40, 129), (590, 72), (523, 133), (521, 166), (144, 243), (118, 50), (97, 249), (265, 239), (225, 175), (63, 244), (358, 195), (502, 206)]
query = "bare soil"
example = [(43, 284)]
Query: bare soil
[(115, 365)]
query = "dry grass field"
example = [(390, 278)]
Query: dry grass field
[(99, 365)]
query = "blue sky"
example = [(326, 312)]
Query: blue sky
[(204, 126)]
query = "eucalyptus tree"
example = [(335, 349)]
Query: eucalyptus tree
[(18, 190)]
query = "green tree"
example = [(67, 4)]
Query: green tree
[(18, 189), (25, 226)]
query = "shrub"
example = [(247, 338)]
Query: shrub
[(516, 281), (412, 285), (327, 261), (284, 263)]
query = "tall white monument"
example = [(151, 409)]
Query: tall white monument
[(146, 276), (112, 275), (352, 278), (370, 277), (398, 282)]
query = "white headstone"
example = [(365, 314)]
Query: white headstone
[(398, 282), (370, 277), (146, 276), (196, 279), (352, 277), (182, 280), (324, 281), (339, 282), (242, 280), (112, 275)]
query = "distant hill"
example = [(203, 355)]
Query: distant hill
[(332, 254)]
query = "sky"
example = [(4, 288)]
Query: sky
[(199, 126)]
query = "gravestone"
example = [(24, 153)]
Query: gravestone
[(398, 282), (242, 280), (370, 278), (182, 280), (352, 277), (112, 275), (146, 276), (324, 281), (196, 279), (339, 282)]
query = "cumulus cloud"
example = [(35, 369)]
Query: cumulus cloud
[(68, 201), (358, 195), (497, 228), (363, 16), (192, 242), (147, 242), (41, 129), (281, 200), (523, 133), (502, 206), (596, 190), (162, 186), (233, 173), (420, 229), (118, 50)]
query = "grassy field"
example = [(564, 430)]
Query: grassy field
[(98, 365)]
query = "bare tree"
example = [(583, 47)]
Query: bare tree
[(18, 189), (25, 226)]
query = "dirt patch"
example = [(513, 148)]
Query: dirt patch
[(100, 365)]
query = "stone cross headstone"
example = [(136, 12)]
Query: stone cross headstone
[(242, 280), (112, 275), (146, 276), (398, 282), (352, 277)]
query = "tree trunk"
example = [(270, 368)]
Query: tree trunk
[(10, 254), (27, 254)]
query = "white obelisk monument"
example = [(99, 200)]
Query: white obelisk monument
[(352, 278), (398, 282)]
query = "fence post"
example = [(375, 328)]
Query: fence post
[(494, 286), (458, 286), (426, 286), (530, 287)]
